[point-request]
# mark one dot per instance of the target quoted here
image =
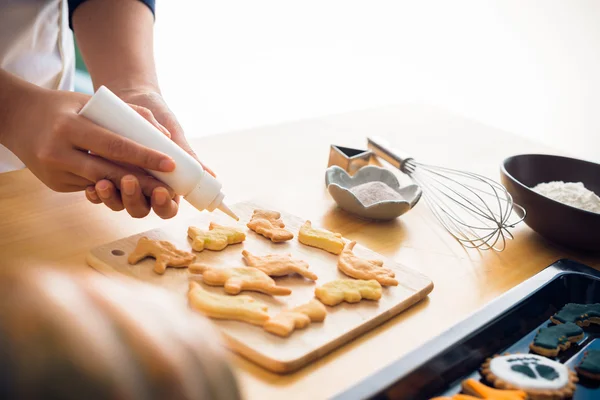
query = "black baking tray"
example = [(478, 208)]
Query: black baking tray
[(507, 324)]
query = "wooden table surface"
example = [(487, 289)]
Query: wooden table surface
[(285, 166)]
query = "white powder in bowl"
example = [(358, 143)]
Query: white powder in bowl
[(373, 192), (570, 193)]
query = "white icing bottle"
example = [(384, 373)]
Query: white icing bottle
[(188, 179)]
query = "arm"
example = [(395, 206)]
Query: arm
[(42, 127), (116, 41)]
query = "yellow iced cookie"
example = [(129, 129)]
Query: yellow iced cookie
[(321, 239), (349, 290), (284, 323), (239, 308), (216, 238)]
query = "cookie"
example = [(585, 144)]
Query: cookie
[(216, 238), (269, 224), (284, 323), (539, 377), (481, 391), (279, 265), (549, 341), (321, 238), (234, 280), (349, 290), (239, 308), (590, 365), (361, 268), (580, 314), (165, 253)]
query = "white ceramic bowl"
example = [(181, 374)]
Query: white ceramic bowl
[(339, 184)]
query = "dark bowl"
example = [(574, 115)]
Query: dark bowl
[(557, 222)]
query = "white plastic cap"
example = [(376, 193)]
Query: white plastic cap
[(207, 193)]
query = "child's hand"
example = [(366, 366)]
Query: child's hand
[(67, 152), (163, 205)]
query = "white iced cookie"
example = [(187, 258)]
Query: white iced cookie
[(539, 376)]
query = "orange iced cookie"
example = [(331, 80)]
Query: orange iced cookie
[(361, 268), (165, 253), (269, 224), (279, 265), (284, 323), (237, 279)]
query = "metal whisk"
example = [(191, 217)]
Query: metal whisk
[(475, 210)]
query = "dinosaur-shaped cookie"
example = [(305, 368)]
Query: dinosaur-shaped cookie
[(165, 253), (240, 308), (284, 323), (279, 265), (551, 340), (270, 225), (580, 314), (234, 280), (320, 238), (349, 290), (361, 268), (216, 238)]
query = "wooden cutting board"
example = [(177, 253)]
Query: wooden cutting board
[(282, 355)]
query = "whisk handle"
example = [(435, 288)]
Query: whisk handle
[(383, 149)]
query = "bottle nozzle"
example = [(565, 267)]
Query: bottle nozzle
[(228, 211)]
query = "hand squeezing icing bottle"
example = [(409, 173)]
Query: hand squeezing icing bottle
[(188, 179)]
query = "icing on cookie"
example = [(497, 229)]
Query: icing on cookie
[(553, 336), (530, 371), (577, 313), (590, 362), (471, 386)]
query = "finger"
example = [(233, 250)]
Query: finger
[(210, 171), (163, 205), (149, 116), (96, 168), (133, 199), (109, 196), (91, 195), (102, 142)]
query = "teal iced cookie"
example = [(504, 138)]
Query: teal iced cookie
[(590, 365), (551, 340), (580, 314)]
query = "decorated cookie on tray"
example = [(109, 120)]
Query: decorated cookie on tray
[(538, 376), (589, 366), (551, 340), (580, 314)]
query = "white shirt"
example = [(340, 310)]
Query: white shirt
[(36, 44)]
